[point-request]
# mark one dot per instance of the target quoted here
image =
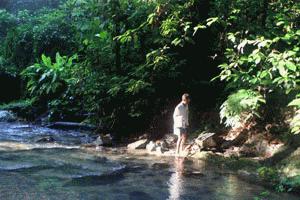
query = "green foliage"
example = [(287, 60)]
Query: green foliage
[(48, 78), (241, 107), (295, 122), (7, 21), (134, 56), (17, 105), (268, 174), (263, 195), (289, 184), (262, 57), (45, 32), (280, 183), (23, 108)]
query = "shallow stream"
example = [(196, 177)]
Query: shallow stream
[(62, 170)]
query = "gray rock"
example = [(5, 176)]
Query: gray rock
[(164, 145), (107, 140), (157, 147), (103, 140), (140, 144), (170, 140), (206, 141), (7, 116), (98, 141), (159, 150), (151, 146)]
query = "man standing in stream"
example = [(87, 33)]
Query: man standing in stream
[(181, 122)]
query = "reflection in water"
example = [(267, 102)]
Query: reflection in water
[(176, 180), (231, 186)]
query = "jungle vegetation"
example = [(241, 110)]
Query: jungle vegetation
[(123, 62)]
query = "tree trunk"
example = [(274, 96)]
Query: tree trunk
[(264, 13), (117, 48)]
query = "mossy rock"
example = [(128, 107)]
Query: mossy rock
[(22, 108), (291, 165)]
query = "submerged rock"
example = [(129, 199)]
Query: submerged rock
[(140, 144), (93, 180), (202, 155), (139, 195), (7, 116), (46, 139)]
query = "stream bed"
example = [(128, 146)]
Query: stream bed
[(62, 170)]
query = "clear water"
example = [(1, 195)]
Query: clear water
[(64, 171)]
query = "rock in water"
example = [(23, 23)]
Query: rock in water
[(103, 140), (170, 140), (98, 141), (7, 116), (140, 144), (159, 150), (158, 147), (46, 139), (151, 146), (206, 141), (107, 140)]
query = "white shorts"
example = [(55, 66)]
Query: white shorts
[(178, 131)]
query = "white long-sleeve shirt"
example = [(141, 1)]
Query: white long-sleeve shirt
[(181, 116)]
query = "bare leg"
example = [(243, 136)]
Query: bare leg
[(178, 145), (182, 142)]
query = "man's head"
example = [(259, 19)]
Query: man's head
[(186, 98)]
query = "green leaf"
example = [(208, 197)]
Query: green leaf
[(291, 66), (46, 60), (295, 102), (281, 68), (212, 20)]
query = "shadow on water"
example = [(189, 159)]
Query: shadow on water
[(139, 195), (92, 180)]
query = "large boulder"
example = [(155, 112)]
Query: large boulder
[(7, 116), (140, 144), (206, 141)]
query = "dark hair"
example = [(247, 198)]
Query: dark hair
[(185, 96)]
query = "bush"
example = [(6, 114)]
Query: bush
[(49, 78), (241, 107)]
